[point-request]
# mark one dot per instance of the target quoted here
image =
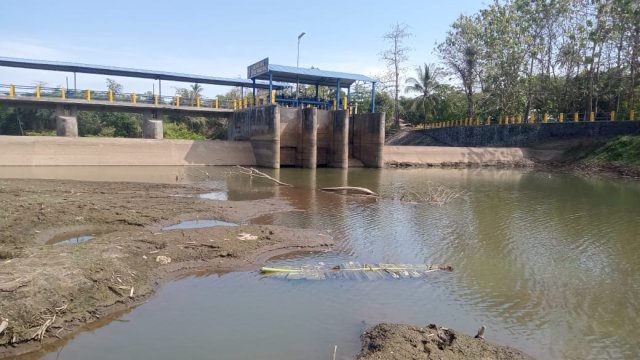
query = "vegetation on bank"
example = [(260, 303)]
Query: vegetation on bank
[(621, 154)]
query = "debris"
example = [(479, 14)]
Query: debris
[(131, 293), (480, 334), (254, 172), (245, 236), (163, 260), (351, 189), (3, 325)]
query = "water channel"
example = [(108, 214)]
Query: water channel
[(548, 262)]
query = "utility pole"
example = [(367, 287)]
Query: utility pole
[(298, 66)]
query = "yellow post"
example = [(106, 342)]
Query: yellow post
[(234, 104), (134, 98), (334, 104), (488, 120), (344, 102), (63, 93), (198, 102), (177, 100), (273, 96), (631, 115), (592, 116), (613, 116), (12, 90), (88, 95), (576, 117), (561, 117), (546, 118), (533, 118), (38, 92), (216, 103), (244, 103), (155, 99), (264, 99), (110, 95)]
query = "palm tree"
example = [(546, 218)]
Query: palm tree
[(196, 91), (426, 85)]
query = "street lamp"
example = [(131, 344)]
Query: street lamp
[(298, 65)]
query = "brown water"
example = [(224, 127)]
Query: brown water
[(547, 262)]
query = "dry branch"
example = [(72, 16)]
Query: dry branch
[(3, 325), (432, 195), (254, 172), (351, 189)]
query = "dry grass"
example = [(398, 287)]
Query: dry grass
[(432, 194)]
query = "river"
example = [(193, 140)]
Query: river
[(547, 261)]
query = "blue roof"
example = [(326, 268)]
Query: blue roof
[(292, 74), (128, 72)]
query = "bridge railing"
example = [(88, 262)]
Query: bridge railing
[(40, 92)]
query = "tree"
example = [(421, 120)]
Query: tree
[(426, 85), (394, 58), (114, 86), (461, 51)]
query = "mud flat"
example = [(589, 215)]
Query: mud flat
[(396, 341), (49, 291)]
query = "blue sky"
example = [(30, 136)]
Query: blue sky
[(214, 38)]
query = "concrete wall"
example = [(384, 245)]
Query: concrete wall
[(448, 156), (261, 126), (322, 139), (308, 147), (290, 131), (55, 151), (367, 139), (521, 135), (338, 151)]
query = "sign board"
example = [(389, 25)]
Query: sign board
[(258, 68)]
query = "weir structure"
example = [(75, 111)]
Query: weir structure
[(282, 130), (311, 132)]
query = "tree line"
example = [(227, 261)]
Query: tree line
[(525, 57)]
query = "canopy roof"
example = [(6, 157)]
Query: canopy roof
[(128, 72), (292, 74)]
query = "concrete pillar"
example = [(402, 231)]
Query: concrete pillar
[(66, 121), (152, 127), (338, 139), (261, 126), (368, 138), (309, 139)]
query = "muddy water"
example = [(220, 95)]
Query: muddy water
[(547, 262)]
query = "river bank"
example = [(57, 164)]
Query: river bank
[(49, 291)]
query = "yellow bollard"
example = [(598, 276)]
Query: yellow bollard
[(519, 119), (134, 98), (264, 99), (244, 103), (177, 100), (38, 92), (533, 118), (561, 117), (216, 103), (576, 117), (234, 104), (110, 95), (631, 115), (488, 120), (273, 96), (613, 116), (63, 93), (155, 100), (88, 95), (334, 104), (592, 116), (344, 103), (12, 90), (545, 119), (198, 102)]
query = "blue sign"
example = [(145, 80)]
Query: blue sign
[(259, 68)]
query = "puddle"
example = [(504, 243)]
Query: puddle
[(196, 224), (215, 195), (74, 240)]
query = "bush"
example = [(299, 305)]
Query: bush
[(180, 131)]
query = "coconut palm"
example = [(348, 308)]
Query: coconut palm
[(426, 85), (196, 91)]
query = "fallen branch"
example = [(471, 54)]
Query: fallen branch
[(351, 189), (3, 325), (40, 333), (254, 172)]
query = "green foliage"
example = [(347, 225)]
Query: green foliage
[(41, 133), (180, 131), (623, 150), (109, 124)]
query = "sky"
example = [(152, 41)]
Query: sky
[(214, 38)]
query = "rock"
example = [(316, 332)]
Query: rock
[(163, 260)]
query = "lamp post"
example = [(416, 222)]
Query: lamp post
[(298, 66)]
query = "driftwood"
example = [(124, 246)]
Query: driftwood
[(254, 172), (40, 333), (351, 189)]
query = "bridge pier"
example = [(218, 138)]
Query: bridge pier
[(66, 121), (152, 127)]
